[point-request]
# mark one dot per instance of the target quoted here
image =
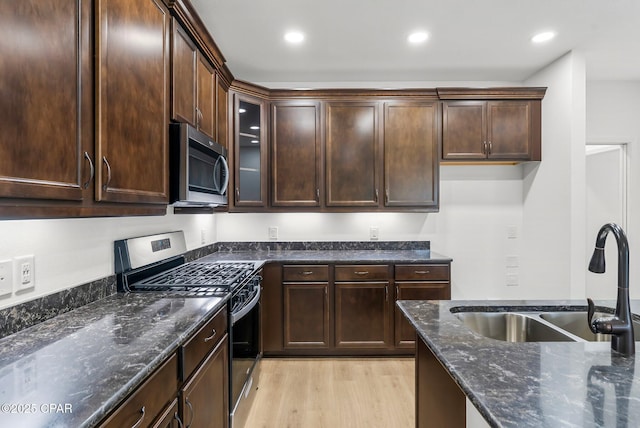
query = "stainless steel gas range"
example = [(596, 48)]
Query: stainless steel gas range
[(156, 263)]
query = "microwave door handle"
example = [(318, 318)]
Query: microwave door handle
[(216, 167), (225, 165)]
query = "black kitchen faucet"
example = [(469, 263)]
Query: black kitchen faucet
[(621, 325)]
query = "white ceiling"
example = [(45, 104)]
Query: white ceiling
[(470, 40)]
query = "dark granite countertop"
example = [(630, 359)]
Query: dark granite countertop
[(332, 256), (84, 362), (543, 384)]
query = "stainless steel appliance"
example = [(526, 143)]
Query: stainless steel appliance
[(198, 168), (156, 264)]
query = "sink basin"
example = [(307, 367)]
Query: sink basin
[(511, 327), (576, 323)]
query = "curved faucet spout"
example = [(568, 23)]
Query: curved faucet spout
[(620, 326)]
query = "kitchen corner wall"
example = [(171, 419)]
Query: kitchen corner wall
[(71, 252), (612, 117)]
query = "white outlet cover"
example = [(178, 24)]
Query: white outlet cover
[(6, 277), (28, 263)]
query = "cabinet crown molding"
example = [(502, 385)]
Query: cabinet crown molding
[(502, 93)]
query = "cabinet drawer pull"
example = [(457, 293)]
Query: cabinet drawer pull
[(139, 421), (213, 334), (361, 272), (92, 170), (306, 272), (421, 272)]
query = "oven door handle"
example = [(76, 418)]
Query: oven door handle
[(246, 308)]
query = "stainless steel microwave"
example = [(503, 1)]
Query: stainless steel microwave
[(198, 168)]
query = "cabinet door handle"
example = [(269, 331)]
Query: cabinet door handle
[(421, 272), (177, 418), (317, 195), (213, 334), (361, 272), (106, 184), (237, 194), (397, 292), (484, 147), (376, 196), (386, 196), (386, 293), (186, 400), (139, 421), (92, 171), (490, 147)]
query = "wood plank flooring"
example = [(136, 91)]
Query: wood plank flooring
[(334, 393)]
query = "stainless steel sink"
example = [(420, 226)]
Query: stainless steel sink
[(576, 323), (512, 327)]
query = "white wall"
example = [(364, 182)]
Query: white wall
[(613, 116), (477, 204), (553, 197), (71, 252)]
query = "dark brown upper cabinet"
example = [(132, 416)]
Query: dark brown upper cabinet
[(222, 108), (46, 146), (352, 154), (295, 154), (501, 124), (132, 101), (411, 154), (194, 83), (250, 152)]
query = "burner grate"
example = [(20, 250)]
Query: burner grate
[(198, 277)]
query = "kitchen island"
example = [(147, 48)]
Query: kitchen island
[(530, 384)]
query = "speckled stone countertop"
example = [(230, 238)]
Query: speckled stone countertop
[(333, 256), (543, 384), (73, 369)]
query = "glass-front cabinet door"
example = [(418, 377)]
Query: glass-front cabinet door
[(250, 152)]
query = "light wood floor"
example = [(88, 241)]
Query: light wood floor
[(334, 393)]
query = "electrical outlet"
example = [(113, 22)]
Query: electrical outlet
[(273, 233), (374, 233), (6, 277), (24, 273)]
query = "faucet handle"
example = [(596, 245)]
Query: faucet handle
[(591, 310)]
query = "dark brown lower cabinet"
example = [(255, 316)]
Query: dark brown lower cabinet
[(306, 315), (362, 315), (205, 397), (410, 290), (345, 309), (149, 402), (170, 418)]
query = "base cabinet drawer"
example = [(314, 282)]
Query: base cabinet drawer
[(203, 342), (146, 404)]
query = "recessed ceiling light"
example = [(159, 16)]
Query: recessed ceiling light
[(543, 37), (418, 37), (294, 37), (242, 110)]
